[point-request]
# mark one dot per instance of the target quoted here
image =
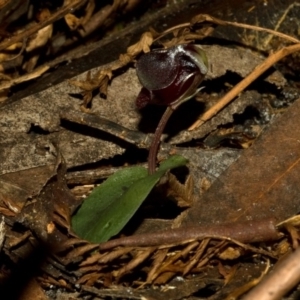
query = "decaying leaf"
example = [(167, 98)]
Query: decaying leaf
[(40, 213), (101, 79), (143, 45), (41, 38), (231, 253), (72, 21), (17, 187), (262, 182), (186, 35), (182, 193), (34, 74)]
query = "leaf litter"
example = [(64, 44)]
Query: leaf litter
[(183, 257)]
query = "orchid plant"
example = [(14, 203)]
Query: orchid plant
[(169, 77)]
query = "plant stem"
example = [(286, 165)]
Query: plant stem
[(243, 231), (156, 139)]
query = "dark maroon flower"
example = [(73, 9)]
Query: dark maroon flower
[(170, 76)]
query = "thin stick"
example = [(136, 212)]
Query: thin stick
[(259, 70), (72, 5), (217, 21), (245, 232), (171, 29), (156, 139), (135, 137), (257, 28), (284, 277)]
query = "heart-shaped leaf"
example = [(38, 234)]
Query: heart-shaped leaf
[(111, 205)]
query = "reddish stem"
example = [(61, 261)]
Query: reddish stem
[(245, 232), (156, 139)]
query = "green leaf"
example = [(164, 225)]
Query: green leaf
[(111, 205)]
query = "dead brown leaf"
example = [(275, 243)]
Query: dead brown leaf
[(262, 182), (54, 203), (72, 21), (139, 257), (182, 193), (101, 79), (17, 187), (194, 259), (33, 29)]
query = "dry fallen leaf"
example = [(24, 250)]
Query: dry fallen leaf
[(17, 187), (72, 21), (262, 183), (182, 193)]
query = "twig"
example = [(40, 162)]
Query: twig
[(91, 176), (284, 277), (246, 232), (54, 17), (259, 70), (135, 137), (257, 28), (207, 18), (242, 290), (20, 52), (171, 29), (140, 258), (280, 21)]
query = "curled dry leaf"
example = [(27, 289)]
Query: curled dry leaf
[(142, 45), (88, 14), (231, 253), (38, 40), (101, 79), (187, 35), (182, 193), (41, 37), (72, 21), (36, 73), (9, 53), (258, 193), (198, 19)]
